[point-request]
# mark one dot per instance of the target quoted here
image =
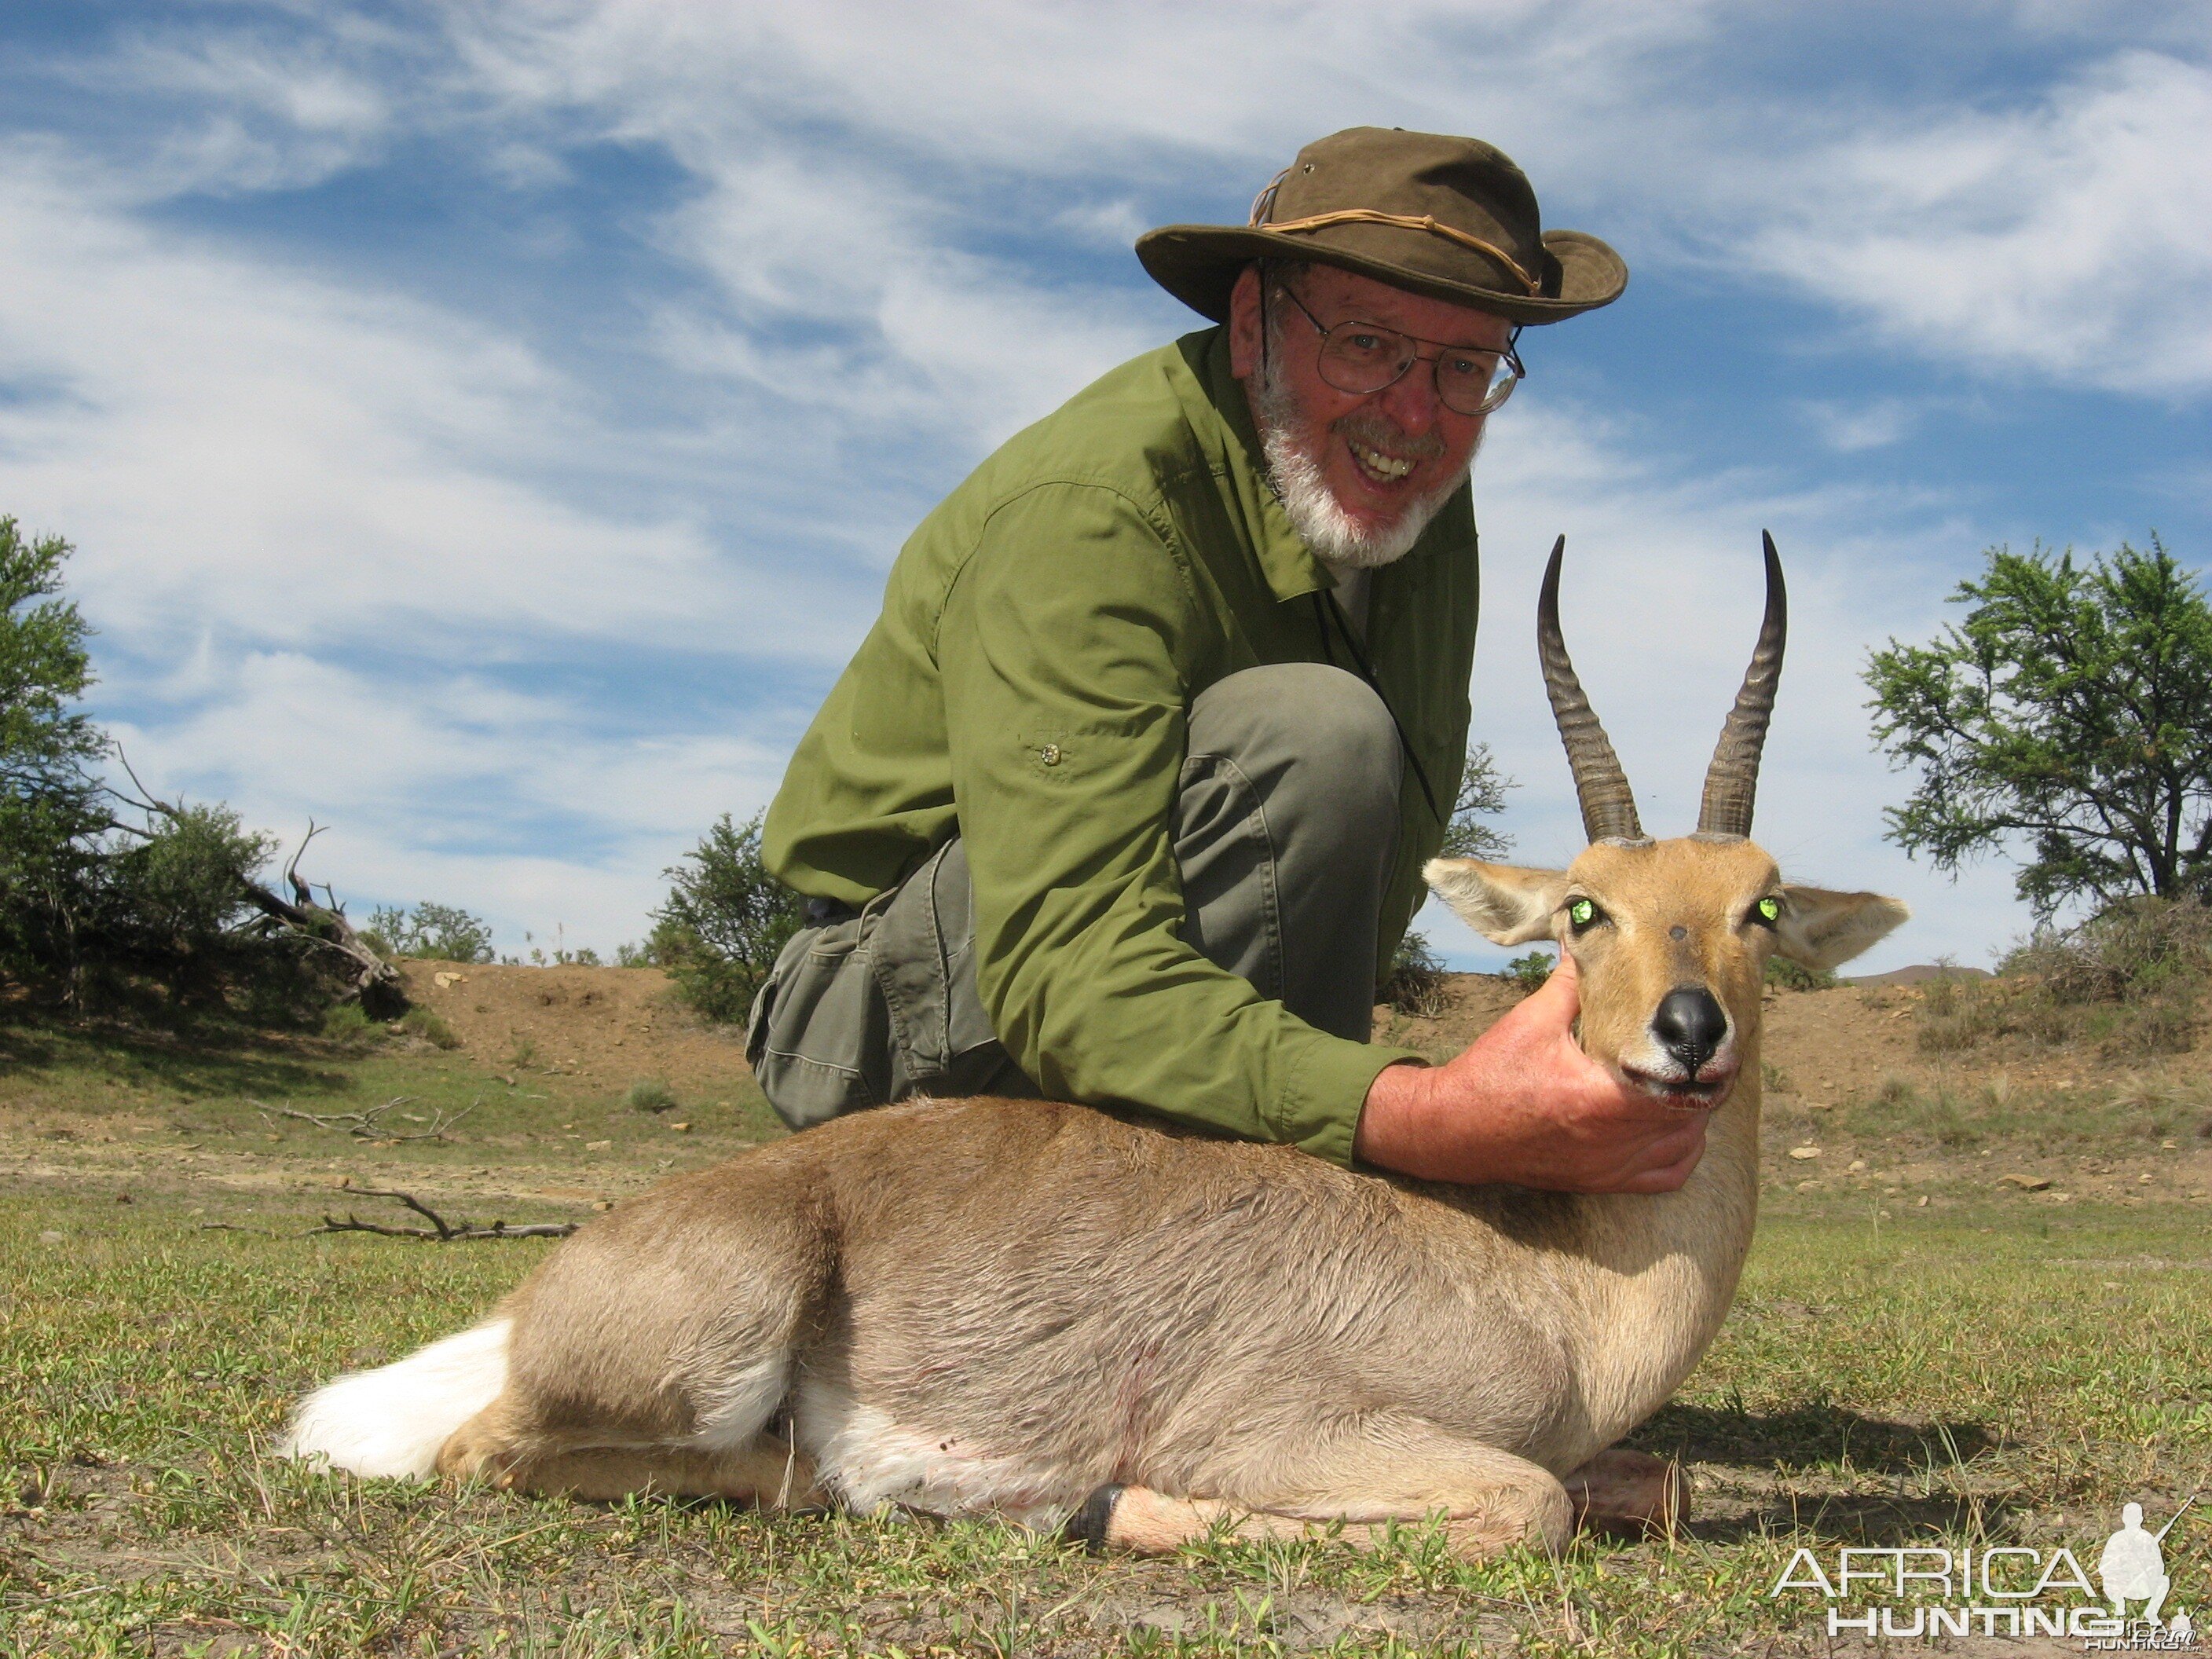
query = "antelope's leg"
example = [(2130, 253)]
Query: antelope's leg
[(1624, 1491), (1488, 1500), (770, 1472)]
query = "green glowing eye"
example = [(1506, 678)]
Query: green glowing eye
[(1770, 909), (1581, 913)]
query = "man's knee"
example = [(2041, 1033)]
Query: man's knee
[(1304, 722)]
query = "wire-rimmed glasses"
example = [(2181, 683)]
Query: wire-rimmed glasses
[(1361, 358)]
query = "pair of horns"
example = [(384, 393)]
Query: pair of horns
[(1732, 780)]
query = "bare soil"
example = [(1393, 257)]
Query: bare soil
[(609, 1026)]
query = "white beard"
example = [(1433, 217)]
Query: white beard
[(1294, 466)]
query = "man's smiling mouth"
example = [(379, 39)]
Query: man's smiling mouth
[(1383, 469)]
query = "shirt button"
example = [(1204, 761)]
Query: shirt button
[(1049, 755)]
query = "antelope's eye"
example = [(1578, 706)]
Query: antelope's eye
[(1770, 910), (1581, 913)]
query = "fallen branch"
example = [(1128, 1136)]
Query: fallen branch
[(374, 981), (370, 1125), (440, 1231)]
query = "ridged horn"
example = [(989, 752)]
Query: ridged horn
[(1608, 804), (1732, 780)]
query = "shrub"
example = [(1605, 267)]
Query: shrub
[(725, 919), (1795, 976), (436, 933), (430, 1027), (348, 1024), (650, 1094), (2138, 947), (1416, 984), (166, 911), (1530, 972)]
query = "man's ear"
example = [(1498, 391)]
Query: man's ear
[(1819, 929), (1504, 902)]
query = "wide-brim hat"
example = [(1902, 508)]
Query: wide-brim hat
[(1450, 218)]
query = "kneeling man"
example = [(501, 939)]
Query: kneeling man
[(1125, 798)]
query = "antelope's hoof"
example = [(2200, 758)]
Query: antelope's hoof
[(1630, 1491)]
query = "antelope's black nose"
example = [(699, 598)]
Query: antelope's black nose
[(1690, 1025)]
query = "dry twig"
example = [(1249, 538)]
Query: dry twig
[(370, 1125), (440, 1229)]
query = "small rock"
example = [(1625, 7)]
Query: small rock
[(603, 1146), (1808, 1185), (1856, 1165), (340, 1181), (603, 1205), (443, 979), (49, 1237), (2143, 1180), (2027, 1183), (686, 1129), (1803, 1153), (1921, 1202)]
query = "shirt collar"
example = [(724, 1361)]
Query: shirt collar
[(1223, 425)]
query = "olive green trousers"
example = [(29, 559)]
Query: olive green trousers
[(1285, 815)]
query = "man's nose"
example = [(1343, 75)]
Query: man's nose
[(1411, 399)]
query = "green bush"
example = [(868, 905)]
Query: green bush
[(430, 1027), (1416, 984), (105, 898), (435, 933), (650, 1094), (724, 921), (347, 1024), (2137, 948), (1795, 976), (1530, 972)]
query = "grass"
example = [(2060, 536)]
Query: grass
[(1986, 1371)]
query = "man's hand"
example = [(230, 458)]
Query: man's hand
[(1525, 1104)]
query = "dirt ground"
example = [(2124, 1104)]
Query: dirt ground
[(605, 1025)]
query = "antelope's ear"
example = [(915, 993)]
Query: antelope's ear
[(1504, 902), (1817, 928)]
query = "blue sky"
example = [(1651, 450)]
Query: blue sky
[(485, 428)]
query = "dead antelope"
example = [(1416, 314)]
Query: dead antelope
[(1044, 1312)]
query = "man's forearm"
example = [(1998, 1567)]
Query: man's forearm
[(1395, 1129)]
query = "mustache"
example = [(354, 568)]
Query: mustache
[(1365, 426)]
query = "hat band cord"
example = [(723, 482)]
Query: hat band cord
[(1403, 222)]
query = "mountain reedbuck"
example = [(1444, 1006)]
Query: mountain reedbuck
[(1046, 1312)]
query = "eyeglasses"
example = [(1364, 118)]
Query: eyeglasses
[(1364, 357)]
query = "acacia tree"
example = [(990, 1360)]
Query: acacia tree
[(1482, 787), (2068, 716)]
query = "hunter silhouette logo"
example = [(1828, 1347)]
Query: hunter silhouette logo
[(2007, 1589)]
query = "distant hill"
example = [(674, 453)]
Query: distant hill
[(1919, 973)]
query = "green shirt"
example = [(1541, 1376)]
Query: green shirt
[(1043, 634)]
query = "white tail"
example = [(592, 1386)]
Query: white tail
[(390, 1421)]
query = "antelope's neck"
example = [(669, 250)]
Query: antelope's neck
[(1658, 1272)]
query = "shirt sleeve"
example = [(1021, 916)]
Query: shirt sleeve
[(1065, 650)]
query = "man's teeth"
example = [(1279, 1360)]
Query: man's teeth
[(1375, 460)]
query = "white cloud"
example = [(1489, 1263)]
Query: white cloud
[(2067, 239), (318, 517)]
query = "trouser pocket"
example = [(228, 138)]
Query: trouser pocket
[(819, 1036)]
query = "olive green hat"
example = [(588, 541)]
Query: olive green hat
[(1450, 218)]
